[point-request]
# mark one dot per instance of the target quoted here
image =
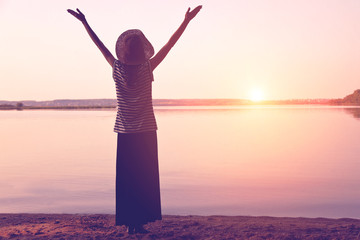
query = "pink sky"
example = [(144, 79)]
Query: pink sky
[(285, 49)]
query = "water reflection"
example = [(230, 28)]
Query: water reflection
[(355, 112), (293, 161)]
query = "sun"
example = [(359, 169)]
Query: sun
[(256, 95)]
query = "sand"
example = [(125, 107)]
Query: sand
[(101, 226)]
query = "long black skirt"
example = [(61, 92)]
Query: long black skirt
[(137, 179)]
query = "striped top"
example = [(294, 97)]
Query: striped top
[(134, 100)]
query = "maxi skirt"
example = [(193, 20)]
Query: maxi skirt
[(137, 179)]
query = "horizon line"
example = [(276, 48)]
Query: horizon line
[(243, 99)]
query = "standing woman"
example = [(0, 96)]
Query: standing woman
[(137, 171)]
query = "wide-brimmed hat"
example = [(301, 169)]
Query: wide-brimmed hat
[(121, 45)]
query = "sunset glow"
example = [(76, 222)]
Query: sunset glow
[(256, 95), (300, 48)]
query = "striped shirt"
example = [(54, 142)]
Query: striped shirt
[(134, 100)]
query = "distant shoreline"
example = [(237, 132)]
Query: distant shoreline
[(59, 108), (204, 106), (12, 108), (68, 104), (73, 104)]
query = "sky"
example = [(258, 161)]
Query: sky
[(275, 49)]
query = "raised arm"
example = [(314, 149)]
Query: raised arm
[(157, 59), (81, 17)]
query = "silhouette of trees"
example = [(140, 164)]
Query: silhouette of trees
[(19, 106)]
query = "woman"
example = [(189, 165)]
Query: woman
[(137, 172)]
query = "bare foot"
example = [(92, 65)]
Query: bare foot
[(141, 229), (130, 229)]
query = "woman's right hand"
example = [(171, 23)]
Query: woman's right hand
[(191, 14), (79, 15)]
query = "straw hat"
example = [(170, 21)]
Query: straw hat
[(121, 46)]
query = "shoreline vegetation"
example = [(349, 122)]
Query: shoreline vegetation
[(102, 226), (73, 104)]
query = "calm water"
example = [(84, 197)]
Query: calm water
[(279, 161)]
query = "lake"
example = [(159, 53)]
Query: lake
[(252, 160)]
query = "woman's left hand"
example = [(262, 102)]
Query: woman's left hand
[(79, 15)]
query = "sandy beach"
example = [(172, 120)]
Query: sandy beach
[(101, 226)]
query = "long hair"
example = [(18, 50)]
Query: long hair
[(134, 51)]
